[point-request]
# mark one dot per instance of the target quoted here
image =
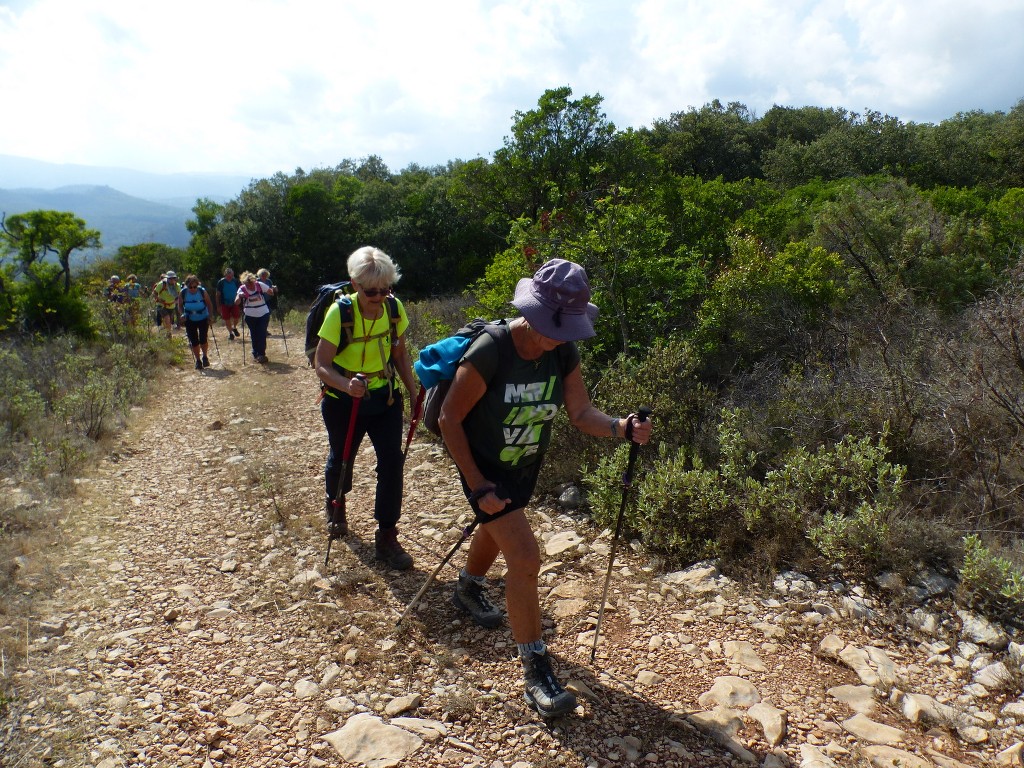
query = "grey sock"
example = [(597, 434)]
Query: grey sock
[(464, 574), (525, 649)]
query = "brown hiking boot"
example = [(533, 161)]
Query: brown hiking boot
[(388, 549), (337, 525)]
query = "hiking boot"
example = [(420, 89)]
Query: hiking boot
[(206, 362), (387, 548), (235, 331), (199, 364), (337, 525), (471, 597), (543, 691)]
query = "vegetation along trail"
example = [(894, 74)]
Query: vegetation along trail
[(199, 626)]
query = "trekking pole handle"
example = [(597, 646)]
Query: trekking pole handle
[(346, 454), (362, 378), (642, 415)]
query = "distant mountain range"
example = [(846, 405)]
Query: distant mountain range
[(127, 207)]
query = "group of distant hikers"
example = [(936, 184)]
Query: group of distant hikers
[(189, 307), (495, 419)]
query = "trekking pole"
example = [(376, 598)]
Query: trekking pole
[(466, 533), (417, 412), (243, 340), (215, 344), (284, 338), (338, 502), (627, 482)]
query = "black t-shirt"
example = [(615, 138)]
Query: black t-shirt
[(511, 424)]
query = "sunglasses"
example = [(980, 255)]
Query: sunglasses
[(375, 292)]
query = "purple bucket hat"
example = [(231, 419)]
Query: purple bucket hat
[(556, 301)]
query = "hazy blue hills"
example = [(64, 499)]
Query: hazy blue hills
[(179, 189), (126, 206), (120, 218)]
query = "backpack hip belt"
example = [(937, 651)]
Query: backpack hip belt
[(385, 374)]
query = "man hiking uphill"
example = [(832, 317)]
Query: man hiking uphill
[(360, 360), (224, 299), (497, 428)]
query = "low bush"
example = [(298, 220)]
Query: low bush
[(836, 505), (42, 305), (991, 582)]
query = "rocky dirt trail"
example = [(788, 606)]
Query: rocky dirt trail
[(198, 626)]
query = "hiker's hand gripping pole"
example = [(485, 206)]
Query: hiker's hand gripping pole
[(627, 482), (338, 502)]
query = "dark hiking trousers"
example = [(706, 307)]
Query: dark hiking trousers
[(383, 424), (258, 334)]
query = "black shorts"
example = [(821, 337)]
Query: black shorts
[(516, 484), (196, 331)]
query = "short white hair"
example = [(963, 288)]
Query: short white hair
[(372, 267)]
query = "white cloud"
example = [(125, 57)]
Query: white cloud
[(259, 86)]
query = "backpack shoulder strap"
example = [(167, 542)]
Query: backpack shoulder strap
[(502, 335), (348, 321), (391, 307)]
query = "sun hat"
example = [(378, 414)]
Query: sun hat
[(115, 279), (171, 275), (556, 301)]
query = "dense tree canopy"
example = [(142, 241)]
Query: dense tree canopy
[(807, 293)]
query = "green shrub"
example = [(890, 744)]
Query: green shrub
[(43, 306), (22, 405), (990, 582), (662, 379), (433, 319), (677, 507), (835, 504), (90, 396)]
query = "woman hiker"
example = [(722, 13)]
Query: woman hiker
[(252, 297), (497, 433), (364, 366), (194, 305), (165, 294)]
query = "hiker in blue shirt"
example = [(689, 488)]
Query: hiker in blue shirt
[(194, 306), (224, 298), (263, 275)]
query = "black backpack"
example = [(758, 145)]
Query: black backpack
[(338, 293)]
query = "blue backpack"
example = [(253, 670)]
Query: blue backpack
[(438, 362)]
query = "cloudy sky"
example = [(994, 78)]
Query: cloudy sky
[(259, 86)]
